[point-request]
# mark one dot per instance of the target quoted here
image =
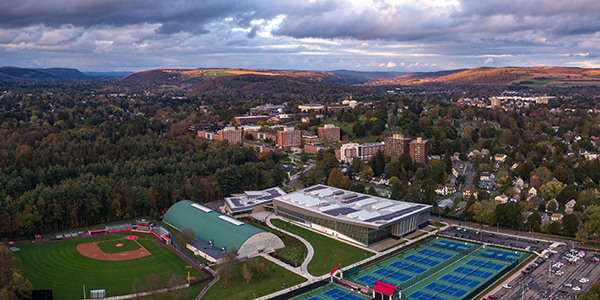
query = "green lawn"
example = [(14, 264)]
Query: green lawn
[(294, 251), (111, 246), (329, 253), (58, 266), (237, 288), (183, 247)]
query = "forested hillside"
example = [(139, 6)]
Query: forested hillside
[(66, 163)]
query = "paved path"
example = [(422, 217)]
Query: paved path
[(303, 269)]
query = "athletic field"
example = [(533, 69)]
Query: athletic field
[(59, 266), (442, 269)]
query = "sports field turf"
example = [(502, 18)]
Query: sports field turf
[(329, 253), (111, 246), (58, 266)]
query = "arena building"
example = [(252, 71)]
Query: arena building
[(216, 233), (355, 217)]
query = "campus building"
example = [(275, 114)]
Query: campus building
[(289, 137), (363, 151), (419, 151), (331, 131), (351, 216), (231, 134), (396, 145), (250, 201), (216, 233)]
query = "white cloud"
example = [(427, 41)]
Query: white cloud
[(391, 64)]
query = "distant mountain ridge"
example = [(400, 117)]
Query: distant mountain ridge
[(15, 73), (532, 77)]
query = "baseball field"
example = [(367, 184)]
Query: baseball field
[(109, 262)]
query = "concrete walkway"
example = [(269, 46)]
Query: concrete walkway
[(303, 269)]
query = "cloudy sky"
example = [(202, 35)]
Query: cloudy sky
[(373, 35)]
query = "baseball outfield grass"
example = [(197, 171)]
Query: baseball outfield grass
[(58, 266)]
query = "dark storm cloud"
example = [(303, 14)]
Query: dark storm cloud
[(178, 15)]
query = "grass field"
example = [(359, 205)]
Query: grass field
[(58, 266), (237, 288), (329, 253), (111, 246)]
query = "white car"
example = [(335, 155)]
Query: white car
[(568, 284), (584, 280), (577, 288), (560, 273), (506, 286)]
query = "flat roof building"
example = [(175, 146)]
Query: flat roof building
[(331, 131), (216, 232), (396, 145), (250, 201), (351, 216)]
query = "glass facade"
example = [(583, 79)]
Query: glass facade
[(361, 234)]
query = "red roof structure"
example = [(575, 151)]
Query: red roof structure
[(334, 269), (384, 288)]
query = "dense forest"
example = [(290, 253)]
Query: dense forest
[(71, 160)]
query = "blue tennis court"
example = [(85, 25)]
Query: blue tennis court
[(436, 254), (407, 267), (339, 294), (420, 295), (394, 275), (500, 255), (450, 245), (422, 260), (372, 280), (485, 264), (462, 281), (446, 290), (472, 272), (315, 298)]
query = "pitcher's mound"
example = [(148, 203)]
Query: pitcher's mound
[(119, 245)]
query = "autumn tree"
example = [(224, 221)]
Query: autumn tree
[(247, 272), (13, 286), (153, 284), (367, 174), (337, 179), (174, 282), (137, 287)]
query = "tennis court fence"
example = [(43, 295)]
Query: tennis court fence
[(392, 254)]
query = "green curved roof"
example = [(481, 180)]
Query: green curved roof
[(208, 226)]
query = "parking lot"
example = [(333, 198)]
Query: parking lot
[(542, 283), (494, 238)]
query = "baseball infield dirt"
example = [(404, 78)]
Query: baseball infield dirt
[(92, 250)]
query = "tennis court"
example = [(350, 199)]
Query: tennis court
[(422, 260), (331, 292), (394, 275), (485, 264), (500, 255), (462, 281), (441, 269), (371, 280), (445, 289), (435, 254), (420, 295), (473, 272), (400, 265)]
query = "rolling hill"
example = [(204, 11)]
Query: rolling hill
[(531, 77), (14, 73)]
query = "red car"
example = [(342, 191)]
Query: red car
[(492, 297), (525, 272)]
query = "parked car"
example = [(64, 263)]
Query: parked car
[(584, 280), (549, 281), (506, 286), (577, 288), (492, 297), (568, 284)]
